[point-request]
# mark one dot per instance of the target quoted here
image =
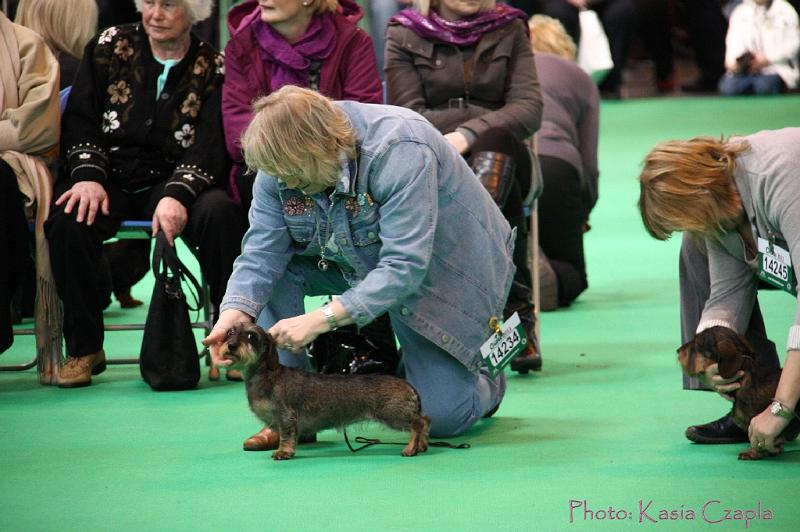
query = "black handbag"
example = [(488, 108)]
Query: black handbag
[(169, 357), (348, 350)]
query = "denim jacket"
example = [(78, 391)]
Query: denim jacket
[(418, 235)]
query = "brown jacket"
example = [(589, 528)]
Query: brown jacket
[(498, 83)]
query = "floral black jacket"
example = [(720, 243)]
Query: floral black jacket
[(114, 129)]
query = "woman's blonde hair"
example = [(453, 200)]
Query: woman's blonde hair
[(548, 35), (65, 25), (297, 131), (424, 6), (324, 6), (198, 10), (687, 185)]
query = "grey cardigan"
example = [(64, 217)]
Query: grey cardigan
[(768, 180)]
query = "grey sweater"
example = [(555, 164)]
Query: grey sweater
[(570, 118), (768, 178)]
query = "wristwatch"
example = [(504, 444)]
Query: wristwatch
[(779, 410), (330, 317)]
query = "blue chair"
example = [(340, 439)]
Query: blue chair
[(63, 96)]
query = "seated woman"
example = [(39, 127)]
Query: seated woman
[(735, 201), (567, 148), (469, 69), (142, 138), (359, 200), (761, 49), (309, 43), (28, 144)]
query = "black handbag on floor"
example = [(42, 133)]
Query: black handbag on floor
[(169, 358), (348, 350)]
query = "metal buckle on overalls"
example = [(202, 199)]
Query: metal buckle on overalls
[(457, 103)]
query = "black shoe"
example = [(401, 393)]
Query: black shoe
[(700, 87), (723, 430)]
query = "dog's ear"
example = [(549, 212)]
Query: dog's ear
[(686, 356), (707, 342), (731, 356), (270, 351)]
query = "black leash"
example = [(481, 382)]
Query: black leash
[(369, 442)]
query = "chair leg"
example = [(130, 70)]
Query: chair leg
[(534, 253)]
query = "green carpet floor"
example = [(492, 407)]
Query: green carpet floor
[(600, 428)]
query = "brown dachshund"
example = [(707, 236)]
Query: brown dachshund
[(733, 352), (292, 402)]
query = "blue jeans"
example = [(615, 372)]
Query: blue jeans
[(732, 85), (452, 397)]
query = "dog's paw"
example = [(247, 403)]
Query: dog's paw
[(751, 454), (409, 451), (282, 455)]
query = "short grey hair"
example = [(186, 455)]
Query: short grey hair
[(198, 10)]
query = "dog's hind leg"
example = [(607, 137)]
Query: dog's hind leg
[(418, 443)]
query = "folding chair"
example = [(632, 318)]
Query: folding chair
[(47, 369), (531, 203)]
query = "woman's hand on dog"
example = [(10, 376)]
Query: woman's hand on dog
[(764, 430), (724, 387), (215, 339), (293, 334)]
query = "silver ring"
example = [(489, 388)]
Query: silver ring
[(288, 346), (760, 445)]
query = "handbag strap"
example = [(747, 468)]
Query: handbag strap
[(166, 262)]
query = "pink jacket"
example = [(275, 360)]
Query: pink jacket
[(350, 73)]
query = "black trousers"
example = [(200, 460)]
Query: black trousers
[(501, 140), (16, 262), (619, 19), (214, 229), (707, 27), (562, 214)]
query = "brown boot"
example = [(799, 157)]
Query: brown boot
[(78, 371), (126, 300), (267, 440), (531, 358), (495, 171)]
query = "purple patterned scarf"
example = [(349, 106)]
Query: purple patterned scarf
[(290, 62), (463, 32)]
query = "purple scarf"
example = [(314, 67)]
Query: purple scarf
[(462, 32), (289, 63)]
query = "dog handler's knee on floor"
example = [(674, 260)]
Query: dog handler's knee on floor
[(451, 418)]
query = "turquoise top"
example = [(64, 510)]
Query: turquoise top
[(162, 79)]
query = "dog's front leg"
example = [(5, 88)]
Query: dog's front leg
[(287, 427)]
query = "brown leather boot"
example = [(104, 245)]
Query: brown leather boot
[(531, 358), (230, 374), (126, 300), (267, 440), (495, 171), (78, 371)]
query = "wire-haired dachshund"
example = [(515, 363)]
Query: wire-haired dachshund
[(292, 401), (733, 352)]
